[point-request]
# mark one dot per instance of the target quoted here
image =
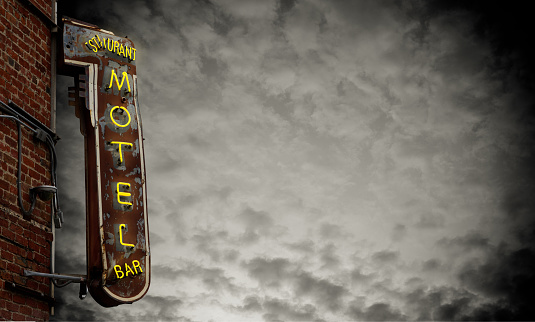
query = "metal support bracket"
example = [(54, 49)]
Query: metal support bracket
[(71, 278)]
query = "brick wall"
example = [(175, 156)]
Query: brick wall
[(25, 78), (23, 245), (25, 61)]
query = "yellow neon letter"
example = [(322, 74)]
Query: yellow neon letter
[(128, 52), (128, 269), (127, 113), (92, 45), (121, 236), (120, 145), (115, 46), (110, 46), (98, 42), (121, 50), (123, 194), (125, 76), (117, 271), (136, 264), (134, 51)]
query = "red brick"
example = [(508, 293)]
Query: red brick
[(8, 234), (41, 315), (42, 305), (29, 234), (15, 228), (15, 249), (5, 295), (7, 256), (19, 279), (24, 224), (6, 276), (10, 198), (3, 223), (21, 261), (3, 186), (3, 244), (11, 18), (19, 299), (9, 159), (4, 314), (25, 31), (36, 229), (19, 317), (26, 310), (39, 258), (49, 237), (15, 269), (32, 302), (41, 221), (33, 245), (31, 284), (11, 141), (45, 251), (12, 307), (21, 240)]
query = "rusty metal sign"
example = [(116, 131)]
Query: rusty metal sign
[(105, 96)]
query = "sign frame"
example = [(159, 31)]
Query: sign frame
[(106, 101)]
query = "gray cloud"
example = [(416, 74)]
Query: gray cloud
[(274, 309), (302, 247), (329, 258), (278, 273), (278, 310), (257, 224), (376, 312), (399, 232), (507, 277), (214, 278), (471, 241), (269, 272), (385, 257), (163, 308), (69, 310), (330, 231), (323, 291), (431, 264)]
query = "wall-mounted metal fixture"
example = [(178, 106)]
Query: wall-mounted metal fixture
[(66, 280), (44, 192), (43, 134)]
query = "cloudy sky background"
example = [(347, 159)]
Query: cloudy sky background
[(322, 160)]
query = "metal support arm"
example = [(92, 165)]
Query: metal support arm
[(73, 278), (82, 279)]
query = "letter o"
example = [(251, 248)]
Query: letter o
[(113, 120)]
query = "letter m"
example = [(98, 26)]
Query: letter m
[(119, 85)]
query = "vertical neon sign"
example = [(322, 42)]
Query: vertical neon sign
[(118, 255)]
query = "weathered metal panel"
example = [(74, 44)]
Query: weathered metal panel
[(118, 252)]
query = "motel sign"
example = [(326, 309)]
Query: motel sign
[(105, 98)]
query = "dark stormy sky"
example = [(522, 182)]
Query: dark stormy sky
[(322, 160)]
